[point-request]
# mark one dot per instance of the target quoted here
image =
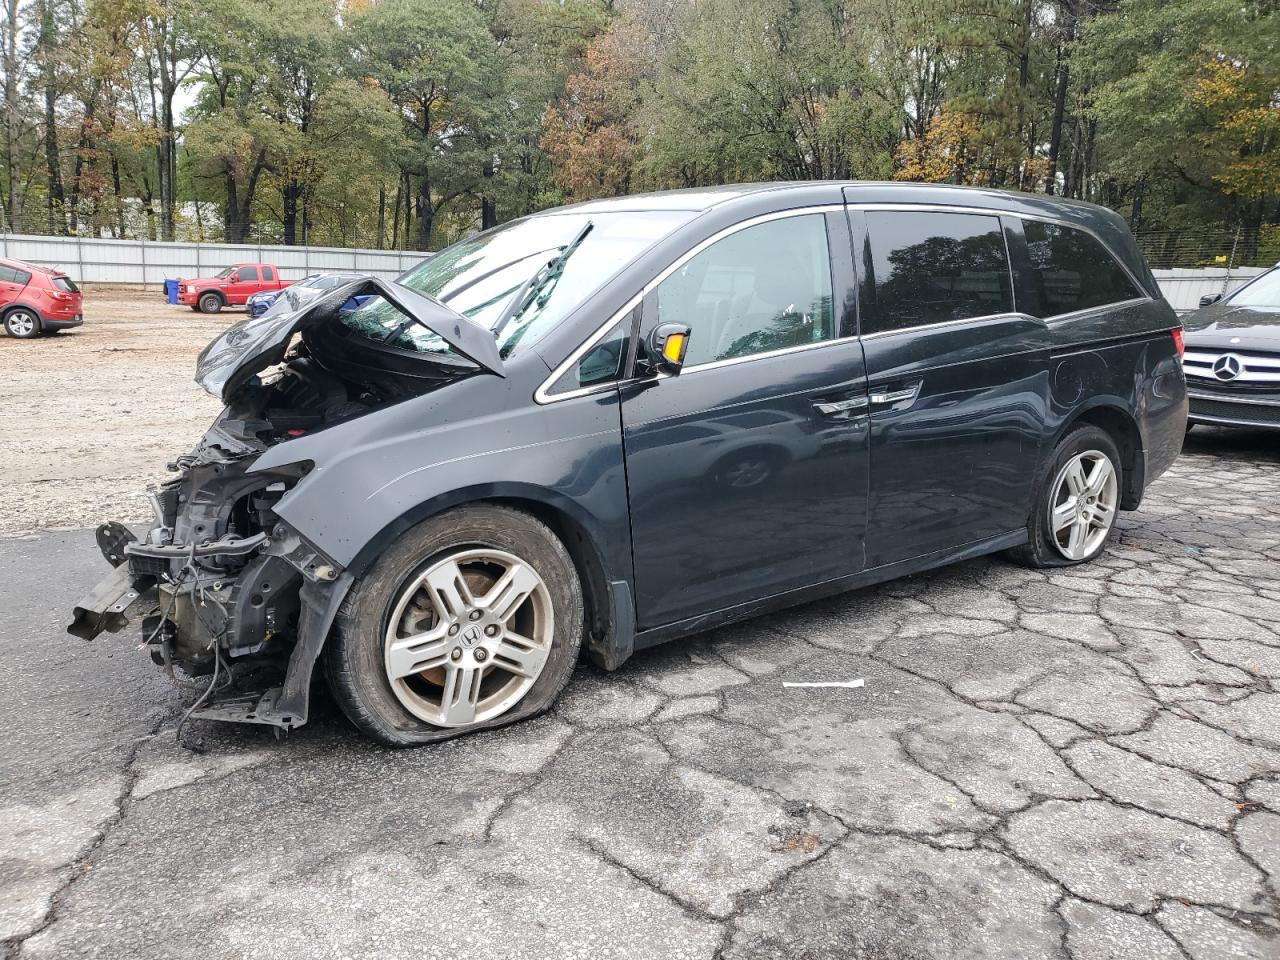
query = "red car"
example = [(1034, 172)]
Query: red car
[(232, 287), (36, 300)]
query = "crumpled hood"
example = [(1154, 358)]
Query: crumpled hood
[(1227, 326), (252, 345)]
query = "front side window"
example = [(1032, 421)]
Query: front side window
[(479, 276), (602, 363), (935, 268), (1071, 270), (247, 275), (763, 288)]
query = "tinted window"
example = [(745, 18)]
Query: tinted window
[(65, 283), (601, 363), (1070, 270), (247, 274), (935, 267), (767, 287), (268, 273), (13, 275)]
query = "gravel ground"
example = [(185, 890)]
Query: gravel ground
[(1080, 764), (107, 404)]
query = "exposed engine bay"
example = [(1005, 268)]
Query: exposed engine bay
[(224, 589)]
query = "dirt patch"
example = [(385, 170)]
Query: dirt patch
[(96, 412)]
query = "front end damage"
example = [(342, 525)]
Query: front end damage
[(223, 589)]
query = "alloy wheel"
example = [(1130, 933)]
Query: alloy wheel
[(21, 324), (1086, 494), (468, 637)]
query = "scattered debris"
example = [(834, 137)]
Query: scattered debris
[(848, 684), (804, 842)]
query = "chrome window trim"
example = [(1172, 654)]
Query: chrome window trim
[(543, 395), (1009, 314), (1131, 302)]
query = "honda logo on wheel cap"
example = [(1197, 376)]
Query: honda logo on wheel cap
[(1227, 367)]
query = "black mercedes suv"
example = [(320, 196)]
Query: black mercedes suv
[(1233, 356)]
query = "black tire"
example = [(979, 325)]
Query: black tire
[(1039, 550), (22, 323), (210, 303), (354, 654)]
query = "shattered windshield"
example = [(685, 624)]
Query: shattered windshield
[(477, 277)]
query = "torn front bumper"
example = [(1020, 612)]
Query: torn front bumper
[(267, 620)]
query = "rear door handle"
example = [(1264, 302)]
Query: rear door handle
[(882, 397), (849, 405)]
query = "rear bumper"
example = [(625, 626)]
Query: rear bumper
[(62, 323), (1233, 410)]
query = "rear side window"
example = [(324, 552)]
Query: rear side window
[(268, 273), (934, 268), (13, 275), (247, 274), (1071, 270), (65, 283)]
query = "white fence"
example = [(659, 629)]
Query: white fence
[(91, 260), (1183, 288)]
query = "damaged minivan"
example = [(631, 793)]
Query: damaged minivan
[(619, 423)]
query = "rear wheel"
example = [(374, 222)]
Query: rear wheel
[(22, 323), (210, 303), (472, 619), (1074, 513)]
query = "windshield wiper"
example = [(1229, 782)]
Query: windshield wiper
[(489, 273), (546, 274)]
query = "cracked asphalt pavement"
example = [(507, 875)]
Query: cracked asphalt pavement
[(1079, 764)]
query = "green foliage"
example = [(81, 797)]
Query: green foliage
[(414, 122)]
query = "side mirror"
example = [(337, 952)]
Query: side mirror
[(1210, 298), (234, 278), (668, 344)]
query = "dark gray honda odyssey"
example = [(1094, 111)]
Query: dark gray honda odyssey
[(619, 423)]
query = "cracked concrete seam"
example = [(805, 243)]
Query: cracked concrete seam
[(76, 868)]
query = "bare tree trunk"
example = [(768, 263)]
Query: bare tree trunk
[(12, 117), (425, 212), (382, 214), (55, 199), (395, 215), (1068, 9)]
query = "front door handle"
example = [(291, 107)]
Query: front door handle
[(847, 406), (882, 397)]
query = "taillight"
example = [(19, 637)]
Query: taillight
[(1177, 342)]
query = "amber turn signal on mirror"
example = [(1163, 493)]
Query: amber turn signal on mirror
[(668, 344)]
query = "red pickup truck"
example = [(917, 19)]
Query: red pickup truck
[(232, 287)]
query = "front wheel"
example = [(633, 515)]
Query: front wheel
[(210, 303), (1074, 513), (473, 619), (22, 323)]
